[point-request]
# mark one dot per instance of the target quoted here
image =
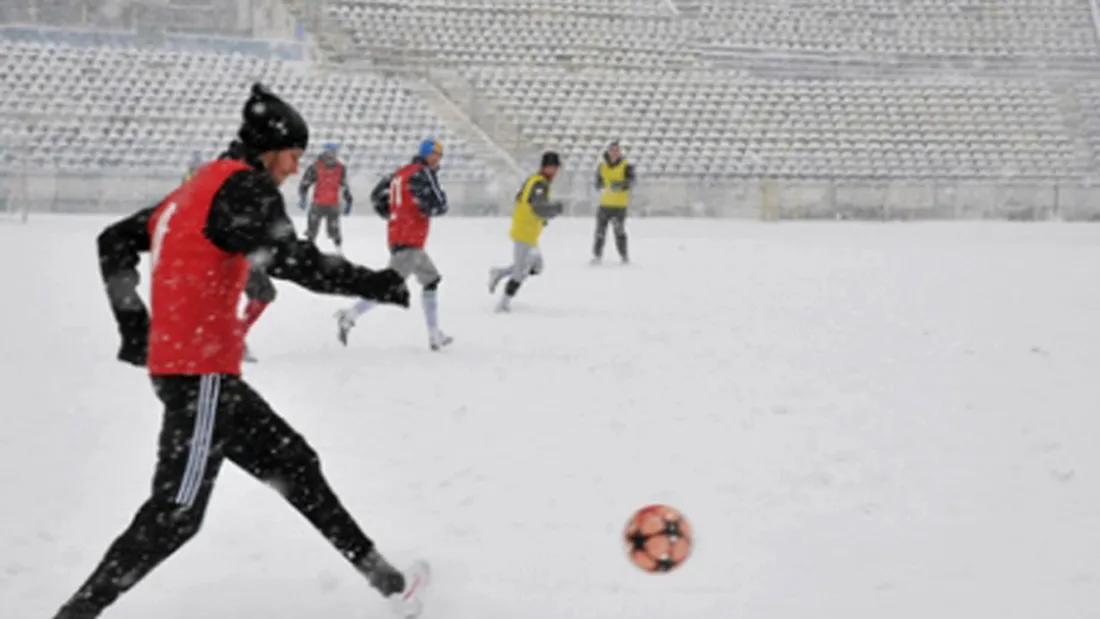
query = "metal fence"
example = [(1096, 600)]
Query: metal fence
[(53, 191)]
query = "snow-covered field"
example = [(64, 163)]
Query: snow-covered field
[(862, 421)]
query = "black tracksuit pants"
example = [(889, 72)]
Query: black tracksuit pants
[(617, 218), (207, 419)]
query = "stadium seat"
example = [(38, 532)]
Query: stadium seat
[(573, 74), (152, 109), (1005, 28), (535, 31), (731, 124)]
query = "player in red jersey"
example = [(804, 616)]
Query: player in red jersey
[(408, 199), (259, 291), (203, 240), (329, 179)]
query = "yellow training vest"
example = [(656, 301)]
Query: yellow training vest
[(613, 198), (526, 225)]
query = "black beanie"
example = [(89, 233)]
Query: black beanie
[(269, 123), (550, 158)]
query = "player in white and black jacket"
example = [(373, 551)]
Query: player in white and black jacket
[(409, 199)]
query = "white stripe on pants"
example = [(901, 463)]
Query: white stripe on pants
[(201, 439)]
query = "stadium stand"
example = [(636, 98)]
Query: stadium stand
[(110, 105), (577, 75), (619, 33), (848, 89), (193, 16), (1006, 28), (1088, 94), (703, 124)]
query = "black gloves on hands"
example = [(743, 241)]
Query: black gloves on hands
[(386, 286), (133, 327)]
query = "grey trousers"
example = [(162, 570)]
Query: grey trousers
[(617, 218), (415, 261), (526, 261), (331, 217)]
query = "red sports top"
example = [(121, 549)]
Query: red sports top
[(327, 190), (194, 328), (408, 225)]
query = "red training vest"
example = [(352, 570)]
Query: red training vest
[(327, 190), (194, 328), (408, 225)]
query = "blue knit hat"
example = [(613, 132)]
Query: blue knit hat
[(429, 146)]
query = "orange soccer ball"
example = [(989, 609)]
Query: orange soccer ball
[(658, 538)]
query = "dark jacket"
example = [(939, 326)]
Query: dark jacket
[(247, 216), (541, 204), (424, 185)]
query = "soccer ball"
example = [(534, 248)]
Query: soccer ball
[(658, 538)]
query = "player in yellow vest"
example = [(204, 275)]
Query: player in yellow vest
[(614, 179), (533, 209)]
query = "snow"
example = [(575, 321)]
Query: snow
[(861, 421)]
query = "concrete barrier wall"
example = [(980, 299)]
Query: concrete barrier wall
[(52, 191)]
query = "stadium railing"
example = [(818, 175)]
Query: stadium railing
[(49, 191)]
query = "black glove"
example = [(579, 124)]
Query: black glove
[(386, 286), (439, 210), (134, 355), (133, 327)]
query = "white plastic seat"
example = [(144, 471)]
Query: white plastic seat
[(174, 102), (904, 128)]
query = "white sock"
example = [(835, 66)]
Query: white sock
[(362, 306), (430, 298)]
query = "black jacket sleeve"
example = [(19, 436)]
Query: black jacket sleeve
[(248, 216), (120, 246), (380, 197), (429, 195), (541, 203), (309, 177), (344, 187), (630, 178)]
